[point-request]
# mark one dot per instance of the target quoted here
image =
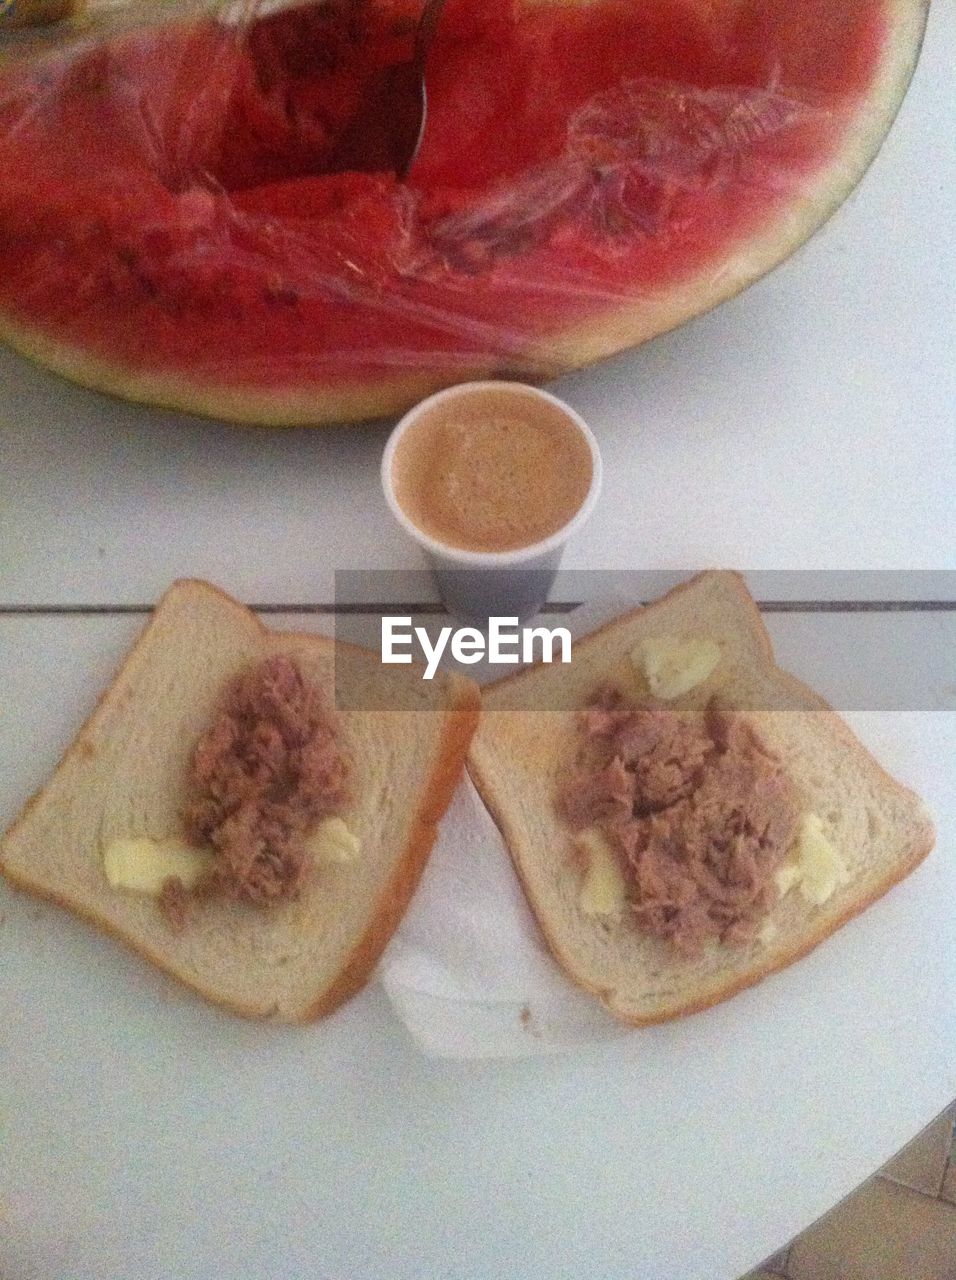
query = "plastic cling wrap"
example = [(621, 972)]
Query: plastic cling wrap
[(188, 213)]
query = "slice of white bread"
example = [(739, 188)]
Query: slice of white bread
[(125, 776), (526, 739)]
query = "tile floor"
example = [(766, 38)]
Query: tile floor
[(901, 1225)]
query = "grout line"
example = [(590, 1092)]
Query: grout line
[(787, 1251), (70, 610), (424, 607), (950, 1157), (947, 1168), (881, 1177), (101, 610), (874, 1177), (905, 1186), (857, 606)]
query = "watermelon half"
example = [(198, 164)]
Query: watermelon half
[(180, 223)]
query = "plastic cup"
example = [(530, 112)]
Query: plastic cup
[(477, 585)]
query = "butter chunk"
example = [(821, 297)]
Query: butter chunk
[(767, 932), (817, 867), (787, 877), (333, 843), (673, 667), (823, 867), (602, 889), (143, 865)]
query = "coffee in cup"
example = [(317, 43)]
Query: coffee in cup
[(492, 470)]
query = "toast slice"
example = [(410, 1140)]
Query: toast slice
[(124, 776), (526, 739)]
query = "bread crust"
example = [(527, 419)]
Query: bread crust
[(775, 961), (461, 719), (397, 894)]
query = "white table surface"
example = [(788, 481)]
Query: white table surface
[(811, 424)]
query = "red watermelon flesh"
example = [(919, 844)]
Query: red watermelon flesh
[(170, 227)]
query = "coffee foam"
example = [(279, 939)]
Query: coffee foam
[(492, 470)]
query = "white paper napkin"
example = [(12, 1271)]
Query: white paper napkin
[(468, 971)]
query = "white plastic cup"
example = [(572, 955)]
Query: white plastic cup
[(478, 585)]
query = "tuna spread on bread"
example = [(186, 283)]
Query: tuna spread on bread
[(265, 772), (698, 814)]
